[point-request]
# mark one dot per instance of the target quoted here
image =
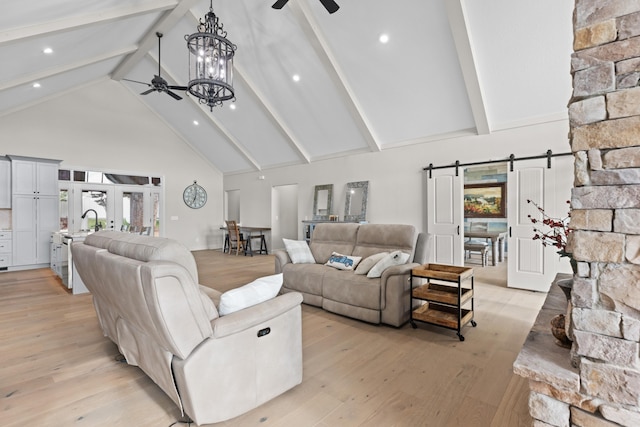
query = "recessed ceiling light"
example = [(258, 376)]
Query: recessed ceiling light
[(384, 38), (232, 106), (36, 85), (296, 78), (48, 50), (195, 122)]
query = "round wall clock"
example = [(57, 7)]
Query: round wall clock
[(194, 196)]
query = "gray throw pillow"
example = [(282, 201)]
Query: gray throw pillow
[(367, 263), (394, 258)]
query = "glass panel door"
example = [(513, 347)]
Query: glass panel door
[(155, 211), (138, 210), (133, 211), (95, 206), (64, 209)]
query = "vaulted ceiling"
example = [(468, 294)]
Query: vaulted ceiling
[(449, 68)]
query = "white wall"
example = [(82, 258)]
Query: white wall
[(104, 127), (396, 178)]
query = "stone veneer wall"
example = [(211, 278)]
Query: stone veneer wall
[(604, 115)]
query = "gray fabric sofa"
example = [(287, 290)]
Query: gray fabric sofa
[(148, 301), (375, 300)]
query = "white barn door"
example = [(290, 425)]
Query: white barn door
[(531, 266), (445, 216)]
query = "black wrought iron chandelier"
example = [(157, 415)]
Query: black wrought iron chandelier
[(210, 62)]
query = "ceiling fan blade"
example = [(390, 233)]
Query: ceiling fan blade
[(147, 92), (330, 5), (279, 4), (178, 87), (136, 81), (174, 96)]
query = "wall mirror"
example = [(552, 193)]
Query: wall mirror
[(322, 198), (355, 206)]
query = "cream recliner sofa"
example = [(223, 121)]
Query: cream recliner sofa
[(375, 300), (148, 301)]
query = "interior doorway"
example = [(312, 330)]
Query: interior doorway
[(232, 205), (284, 214), (485, 221)]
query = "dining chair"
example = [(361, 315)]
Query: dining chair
[(236, 239)]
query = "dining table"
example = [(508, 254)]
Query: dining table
[(249, 233), (497, 241)]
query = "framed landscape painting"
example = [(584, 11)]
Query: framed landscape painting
[(484, 200)]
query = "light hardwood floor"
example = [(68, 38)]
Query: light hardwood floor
[(58, 370)]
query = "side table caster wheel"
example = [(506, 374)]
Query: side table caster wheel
[(473, 323), (413, 324), (460, 336)]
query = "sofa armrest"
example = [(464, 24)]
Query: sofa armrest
[(397, 270), (281, 258), (394, 294), (254, 315)]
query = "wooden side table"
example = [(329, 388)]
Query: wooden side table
[(444, 301)]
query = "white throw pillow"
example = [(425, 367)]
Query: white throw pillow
[(299, 251), (369, 262), (253, 293), (394, 258), (343, 262)]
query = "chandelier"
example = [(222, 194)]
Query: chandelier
[(210, 62)]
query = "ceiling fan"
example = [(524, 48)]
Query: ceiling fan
[(159, 84), (330, 5)]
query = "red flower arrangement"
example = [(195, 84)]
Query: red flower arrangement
[(557, 233)]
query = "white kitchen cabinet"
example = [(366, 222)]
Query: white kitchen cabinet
[(34, 176), (35, 206), (5, 183), (5, 249), (33, 220)]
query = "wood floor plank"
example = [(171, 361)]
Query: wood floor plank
[(59, 370)]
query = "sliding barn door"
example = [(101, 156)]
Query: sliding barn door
[(445, 216), (531, 266)]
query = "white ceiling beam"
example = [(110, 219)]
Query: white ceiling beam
[(461, 37), (232, 139), (168, 21), (84, 20), (311, 28), (276, 119), (49, 72)]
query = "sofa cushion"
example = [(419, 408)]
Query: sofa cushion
[(260, 290), (333, 237), (376, 238), (305, 278), (352, 289), (394, 258), (343, 262), (368, 263), (299, 251)]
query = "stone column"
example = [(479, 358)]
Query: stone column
[(604, 115)]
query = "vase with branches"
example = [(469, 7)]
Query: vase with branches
[(553, 232)]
